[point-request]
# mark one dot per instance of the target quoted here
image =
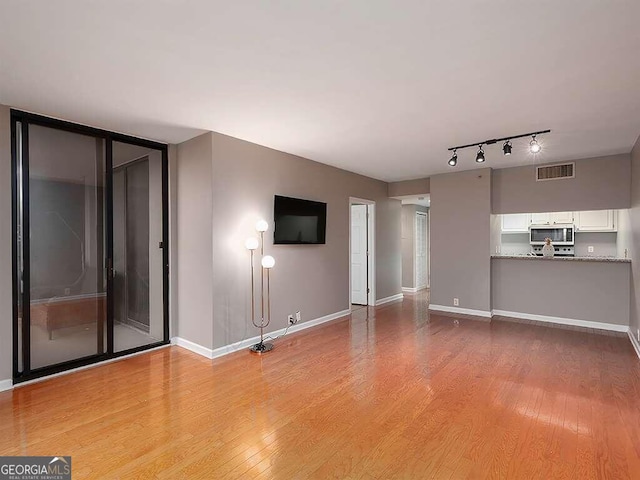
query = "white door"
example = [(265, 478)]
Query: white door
[(421, 251), (359, 254)]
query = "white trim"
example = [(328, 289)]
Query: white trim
[(634, 342), (192, 347), (6, 385), (247, 342), (564, 321), (392, 298), (462, 311), (371, 235), (414, 290), (86, 367)]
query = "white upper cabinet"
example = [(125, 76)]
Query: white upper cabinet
[(516, 223), (552, 218), (587, 221), (561, 217), (539, 219), (596, 221)]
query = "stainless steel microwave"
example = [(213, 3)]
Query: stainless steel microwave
[(559, 234)]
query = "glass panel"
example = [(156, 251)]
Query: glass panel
[(19, 256), (137, 251), (66, 255)]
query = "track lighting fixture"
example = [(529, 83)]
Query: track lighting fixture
[(534, 146), (453, 161)]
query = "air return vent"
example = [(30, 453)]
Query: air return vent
[(556, 172)]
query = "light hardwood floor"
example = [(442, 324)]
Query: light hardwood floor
[(392, 392)]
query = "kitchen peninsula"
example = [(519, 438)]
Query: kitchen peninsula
[(582, 291)]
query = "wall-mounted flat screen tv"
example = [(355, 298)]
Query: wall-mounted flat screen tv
[(299, 222)]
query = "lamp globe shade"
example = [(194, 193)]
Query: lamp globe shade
[(268, 261), (262, 226), (251, 243)]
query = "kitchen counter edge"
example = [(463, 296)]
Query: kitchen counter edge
[(564, 259)]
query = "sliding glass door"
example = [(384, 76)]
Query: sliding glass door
[(137, 246), (90, 259)]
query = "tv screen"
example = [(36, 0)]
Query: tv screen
[(299, 221)]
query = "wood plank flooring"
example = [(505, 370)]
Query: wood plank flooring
[(391, 392)]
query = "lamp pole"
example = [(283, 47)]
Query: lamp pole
[(266, 264)]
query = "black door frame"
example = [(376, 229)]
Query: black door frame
[(25, 119)]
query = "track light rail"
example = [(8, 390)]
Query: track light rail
[(496, 140)]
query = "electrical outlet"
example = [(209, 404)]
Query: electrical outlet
[(67, 291), (590, 249), (456, 302), (297, 316), (291, 320)]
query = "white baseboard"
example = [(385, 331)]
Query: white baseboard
[(413, 289), (634, 342), (247, 342), (564, 321), (392, 298), (462, 311), (192, 347), (6, 385)]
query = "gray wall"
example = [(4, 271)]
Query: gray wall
[(420, 186), (634, 244), (173, 240), (461, 239), (6, 309), (223, 199), (592, 291), (600, 183), (194, 241)]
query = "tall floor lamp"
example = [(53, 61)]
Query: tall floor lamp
[(267, 262)]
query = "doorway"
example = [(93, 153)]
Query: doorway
[(421, 246), (361, 252), (68, 238), (415, 243)]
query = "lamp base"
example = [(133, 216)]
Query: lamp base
[(260, 348)]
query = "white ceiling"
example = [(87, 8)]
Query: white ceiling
[(380, 88)]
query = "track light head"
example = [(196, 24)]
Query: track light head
[(534, 146), (506, 148), (453, 161), (480, 154)]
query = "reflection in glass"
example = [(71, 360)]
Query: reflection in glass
[(67, 285), (137, 246)]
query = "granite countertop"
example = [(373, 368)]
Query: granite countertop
[(566, 259)]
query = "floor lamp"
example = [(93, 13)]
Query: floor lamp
[(267, 262)]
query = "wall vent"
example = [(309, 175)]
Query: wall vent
[(556, 172)]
